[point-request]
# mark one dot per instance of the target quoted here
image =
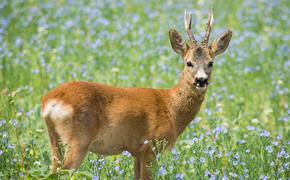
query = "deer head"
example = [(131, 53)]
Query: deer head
[(198, 58)]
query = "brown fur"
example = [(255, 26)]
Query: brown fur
[(108, 120)]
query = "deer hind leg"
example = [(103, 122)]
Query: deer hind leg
[(74, 155), (54, 146), (77, 141)]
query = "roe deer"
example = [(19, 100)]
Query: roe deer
[(109, 120)]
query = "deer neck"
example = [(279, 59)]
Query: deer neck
[(185, 103)]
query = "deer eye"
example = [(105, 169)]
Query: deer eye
[(210, 64), (189, 64)]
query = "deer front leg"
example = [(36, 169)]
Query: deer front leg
[(145, 170), (146, 159), (137, 168)]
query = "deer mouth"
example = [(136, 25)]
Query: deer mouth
[(201, 85)]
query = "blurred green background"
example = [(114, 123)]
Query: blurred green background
[(243, 124)]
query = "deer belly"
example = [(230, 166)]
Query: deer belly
[(108, 143)]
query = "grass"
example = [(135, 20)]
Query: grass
[(242, 130)]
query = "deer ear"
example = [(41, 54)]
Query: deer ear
[(221, 43), (177, 43)]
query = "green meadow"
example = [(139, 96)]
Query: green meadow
[(242, 130)]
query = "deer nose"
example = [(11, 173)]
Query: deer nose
[(201, 81)]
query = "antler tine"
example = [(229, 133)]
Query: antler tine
[(208, 28), (187, 24)]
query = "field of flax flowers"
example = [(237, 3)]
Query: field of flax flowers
[(242, 130)]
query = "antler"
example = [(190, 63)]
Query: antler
[(187, 24), (208, 28)]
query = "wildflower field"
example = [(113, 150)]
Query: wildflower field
[(242, 130)]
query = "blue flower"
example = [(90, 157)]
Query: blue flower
[(235, 163), (146, 142), (236, 156), (220, 130), (121, 171), (194, 140), (126, 153), (211, 152), (10, 146), (202, 160), (242, 142), (117, 168), (201, 137), (95, 178), (286, 166), (225, 177), (279, 137), (250, 128), (175, 154), (269, 149), (179, 176), (264, 133), (281, 153), (263, 177), (2, 122), (192, 160), (162, 171), (173, 151), (207, 173), (29, 113), (233, 174), (229, 153), (14, 122)]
